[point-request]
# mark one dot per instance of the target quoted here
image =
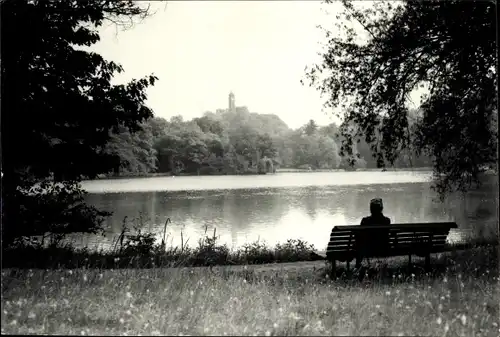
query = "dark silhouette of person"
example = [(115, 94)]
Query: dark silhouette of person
[(375, 242), (376, 217)]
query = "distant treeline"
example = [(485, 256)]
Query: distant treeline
[(236, 142)]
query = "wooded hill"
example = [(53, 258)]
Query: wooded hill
[(236, 142)]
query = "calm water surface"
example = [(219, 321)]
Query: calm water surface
[(274, 208)]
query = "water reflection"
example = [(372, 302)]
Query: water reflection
[(277, 214)]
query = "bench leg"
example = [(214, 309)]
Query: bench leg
[(428, 262), (347, 265), (333, 272)]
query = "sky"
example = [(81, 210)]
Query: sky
[(202, 50)]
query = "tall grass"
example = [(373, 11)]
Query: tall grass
[(458, 298), (141, 250)]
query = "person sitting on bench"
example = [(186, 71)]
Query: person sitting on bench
[(376, 218)]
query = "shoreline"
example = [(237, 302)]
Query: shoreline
[(282, 170), (207, 254)]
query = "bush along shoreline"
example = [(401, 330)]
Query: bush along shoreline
[(141, 250)]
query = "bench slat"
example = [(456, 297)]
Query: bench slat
[(342, 236), (419, 233), (342, 239), (421, 238), (340, 248), (343, 247), (341, 233), (418, 237), (402, 226)]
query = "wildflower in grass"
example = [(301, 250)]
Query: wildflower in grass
[(377, 306), (129, 313), (100, 276), (439, 321), (191, 293), (463, 319), (122, 321), (268, 333), (445, 279), (129, 295), (275, 325), (31, 315), (14, 322), (446, 327), (388, 293), (70, 272), (84, 278)]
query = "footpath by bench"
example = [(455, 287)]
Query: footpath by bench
[(359, 242)]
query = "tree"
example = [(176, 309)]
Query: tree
[(310, 128), (135, 150), (209, 125), (59, 107), (381, 54)]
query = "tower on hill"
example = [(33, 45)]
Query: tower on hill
[(232, 103)]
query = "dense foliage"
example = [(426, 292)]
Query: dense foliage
[(379, 54), (58, 110), (237, 142)]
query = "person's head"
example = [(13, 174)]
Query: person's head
[(376, 206)]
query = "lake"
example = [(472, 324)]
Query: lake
[(277, 207)]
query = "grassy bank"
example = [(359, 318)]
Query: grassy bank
[(141, 251), (459, 298)]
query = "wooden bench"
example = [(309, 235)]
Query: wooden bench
[(421, 239)]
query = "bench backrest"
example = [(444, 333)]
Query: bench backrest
[(348, 239)]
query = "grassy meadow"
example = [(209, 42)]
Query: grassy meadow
[(458, 298)]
